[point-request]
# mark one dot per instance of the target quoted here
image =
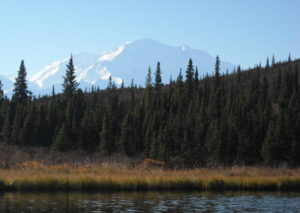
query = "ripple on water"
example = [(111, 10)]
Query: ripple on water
[(150, 202)]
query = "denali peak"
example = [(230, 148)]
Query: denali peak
[(128, 61)]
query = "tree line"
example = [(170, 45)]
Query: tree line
[(246, 117)]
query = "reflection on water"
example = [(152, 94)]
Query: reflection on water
[(150, 202)]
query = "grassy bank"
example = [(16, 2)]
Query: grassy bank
[(34, 176)]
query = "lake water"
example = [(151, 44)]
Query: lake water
[(150, 202)]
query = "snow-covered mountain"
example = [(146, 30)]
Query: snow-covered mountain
[(7, 83), (129, 61)]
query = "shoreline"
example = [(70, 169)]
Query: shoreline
[(113, 178), (105, 185)]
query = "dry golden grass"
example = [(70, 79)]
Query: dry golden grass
[(33, 175)]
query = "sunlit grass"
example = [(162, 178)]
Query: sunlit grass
[(108, 177)]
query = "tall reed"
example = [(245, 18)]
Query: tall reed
[(33, 176)]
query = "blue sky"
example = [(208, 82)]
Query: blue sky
[(241, 32)]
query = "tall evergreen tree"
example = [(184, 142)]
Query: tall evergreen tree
[(158, 82), (148, 79), (217, 72), (21, 93), (273, 60), (196, 76), (189, 75), (289, 58), (53, 91), (110, 83), (179, 77), (70, 86), (216, 95), (267, 63)]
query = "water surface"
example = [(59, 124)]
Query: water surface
[(150, 202)]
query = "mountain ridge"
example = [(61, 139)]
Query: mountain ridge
[(126, 62)]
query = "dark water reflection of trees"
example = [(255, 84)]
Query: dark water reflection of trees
[(150, 202)]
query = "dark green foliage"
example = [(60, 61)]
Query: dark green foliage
[(247, 117), (158, 82), (106, 136), (62, 141), (21, 93), (189, 78), (148, 79), (196, 76), (267, 63), (70, 85), (273, 60), (217, 72)]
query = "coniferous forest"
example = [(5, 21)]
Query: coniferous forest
[(245, 117)]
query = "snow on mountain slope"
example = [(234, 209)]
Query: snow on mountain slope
[(53, 74), (129, 61), (137, 56), (113, 54), (134, 60), (7, 84)]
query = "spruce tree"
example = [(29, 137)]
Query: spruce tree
[(217, 72), (62, 141), (110, 83), (158, 83), (148, 79), (21, 93), (70, 86), (189, 75), (267, 63), (53, 91), (273, 60), (179, 78), (215, 100), (196, 76), (289, 58)]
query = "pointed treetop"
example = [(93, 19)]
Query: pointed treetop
[(53, 91), (217, 72), (217, 66), (190, 73), (273, 60), (148, 78), (179, 78), (110, 83), (70, 86), (289, 58), (196, 75), (158, 81), (267, 63), (21, 93)]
